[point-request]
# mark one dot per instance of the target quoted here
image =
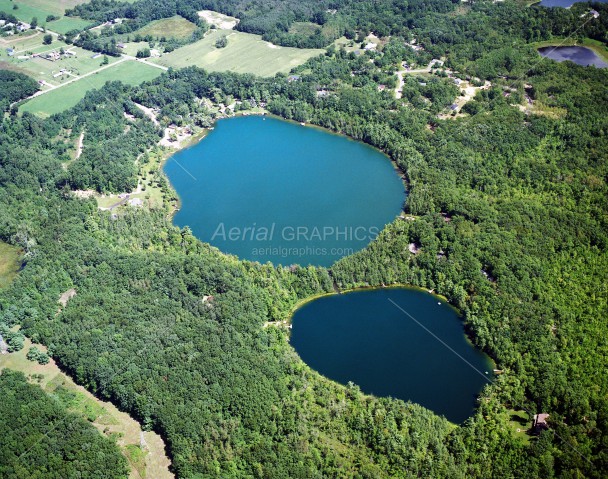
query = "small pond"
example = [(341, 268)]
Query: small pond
[(579, 55)]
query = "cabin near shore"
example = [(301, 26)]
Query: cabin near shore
[(539, 423)]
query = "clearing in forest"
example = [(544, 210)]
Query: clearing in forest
[(9, 263), (221, 21), (151, 462), (245, 53), (174, 27)]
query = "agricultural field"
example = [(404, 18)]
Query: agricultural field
[(62, 98), (58, 72), (245, 53), (42, 8), (9, 263), (174, 27)]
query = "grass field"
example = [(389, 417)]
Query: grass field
[(103, 415), (65, 24), (174, 27), (62, 98), (245, 53), (43, 8), (41, 69), (9, 263)]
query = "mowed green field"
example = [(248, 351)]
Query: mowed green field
[(174, 27), (245, 53), (43, 8), (9, 263), (41, 69), (60, 99)]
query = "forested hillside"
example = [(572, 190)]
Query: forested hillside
[(507, 208), (39, 439)]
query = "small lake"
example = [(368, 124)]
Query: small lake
[(363, 337), (562, 3), (579, 55), (270, 190)]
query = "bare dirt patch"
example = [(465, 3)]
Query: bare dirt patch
[(221, 21)]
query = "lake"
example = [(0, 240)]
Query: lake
[(363, 337), (579, 55), (269, 190), (561, 3)]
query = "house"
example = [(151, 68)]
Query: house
[(381, 87), (291, 78), (594, 14), (370, 47), (454, 107), (52, 56), (2, 23), (539, 422), (435, 62), (120, 45), (97, 55), (10, 52), (457, 81), (69, 53)]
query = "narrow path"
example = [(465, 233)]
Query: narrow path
[(80, 145), (143, 60)]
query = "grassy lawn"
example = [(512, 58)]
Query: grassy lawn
[(519, 424), (151, 195), (65, 24), (9, 263), (61, 99), (174, 27), (245, 53)]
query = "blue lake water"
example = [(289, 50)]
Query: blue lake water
[(270, 190), (421, 355), (579, 55)]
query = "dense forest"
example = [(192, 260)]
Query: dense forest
[(437, 24), (14, 86), (41, 440), (508, 211)]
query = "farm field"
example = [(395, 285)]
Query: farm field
[(50, 71), (9, 263), (42, 8), (245, 53), (174, 27), (65, 24), (127, 71)]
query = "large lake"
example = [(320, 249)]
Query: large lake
[(270, 190), (579, 55), (422, 356)]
